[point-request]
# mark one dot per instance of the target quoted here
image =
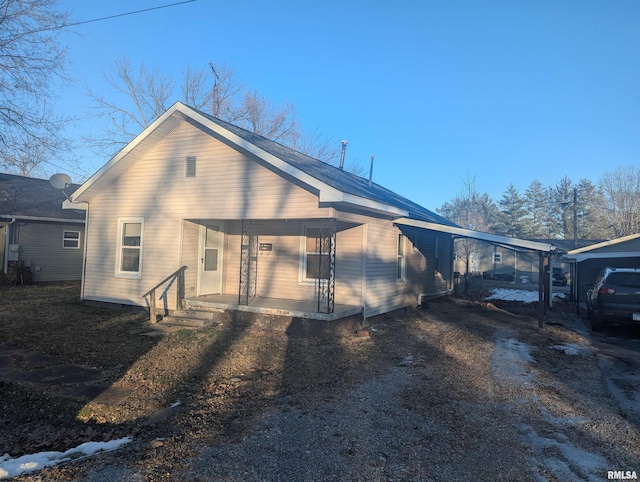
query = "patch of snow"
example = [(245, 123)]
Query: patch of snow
[(510, 359), (523, 296), (10, 468), (508, 294), (175, 404), (563, 459)]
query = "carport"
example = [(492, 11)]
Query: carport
[(544, 251), (587, 262)]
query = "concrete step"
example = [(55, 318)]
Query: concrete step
[(190, 319)]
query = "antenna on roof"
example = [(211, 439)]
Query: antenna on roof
[(61, 181), (371, 169), (344, 149)]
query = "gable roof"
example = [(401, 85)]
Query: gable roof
[(332, 184), (36, 199)]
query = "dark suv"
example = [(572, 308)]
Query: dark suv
[(615, 297)]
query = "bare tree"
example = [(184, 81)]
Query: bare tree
[(139, 98), (144, 94), (32, 60), (621, 189), (471, 210)]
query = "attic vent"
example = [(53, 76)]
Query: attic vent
[(190, 167)]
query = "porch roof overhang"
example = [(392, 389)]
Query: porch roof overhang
[(514, 243)]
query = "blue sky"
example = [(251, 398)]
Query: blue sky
[(439, 91)]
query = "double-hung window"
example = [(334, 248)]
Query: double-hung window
[(401, 264), (315, 256), (71, 239), (129, 250)]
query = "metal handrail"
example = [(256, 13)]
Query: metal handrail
[(152, 292)]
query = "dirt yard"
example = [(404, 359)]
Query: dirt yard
[(463, 390)]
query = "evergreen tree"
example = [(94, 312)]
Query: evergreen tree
[(511, 219), (592, 223), (536, 221)]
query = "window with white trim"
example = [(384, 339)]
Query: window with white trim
[(71, 239), (129, 250), (401, 264), (497, 258), (312, 266)]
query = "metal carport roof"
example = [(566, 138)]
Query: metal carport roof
[(543, 249)]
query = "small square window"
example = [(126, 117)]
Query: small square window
[(190, 169), (497, 258), (71, 239)]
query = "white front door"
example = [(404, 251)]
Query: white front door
[(210, 259)]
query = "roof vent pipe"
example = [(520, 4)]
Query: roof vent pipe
[(344, 149), (371, 169)]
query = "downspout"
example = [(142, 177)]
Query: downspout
[(6, 246), (84, 254)]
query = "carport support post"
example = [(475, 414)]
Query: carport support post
[(541, 304)]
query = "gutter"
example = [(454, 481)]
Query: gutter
[(14, 218)]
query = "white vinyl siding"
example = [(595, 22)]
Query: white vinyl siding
[(231, 186), (228, 186)]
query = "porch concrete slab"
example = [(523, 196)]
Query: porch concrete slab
[(272, 306)]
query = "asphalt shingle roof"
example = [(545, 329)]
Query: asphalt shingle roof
[(333, 176), (28, 196)]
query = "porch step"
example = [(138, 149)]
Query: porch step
[(187, 318)]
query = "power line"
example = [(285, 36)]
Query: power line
[(126, 14)]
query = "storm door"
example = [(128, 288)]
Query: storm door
[(210, 259)]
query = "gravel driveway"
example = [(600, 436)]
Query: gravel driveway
[(459, 391)]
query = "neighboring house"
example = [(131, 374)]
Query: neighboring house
[(588, 261), (258, 226), (36, 232), (497, 261)]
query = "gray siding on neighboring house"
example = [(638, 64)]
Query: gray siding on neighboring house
[(41, 246), (513, 263)]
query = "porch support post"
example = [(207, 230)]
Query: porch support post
[(327, 265), (248, 265), (541, 301)]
